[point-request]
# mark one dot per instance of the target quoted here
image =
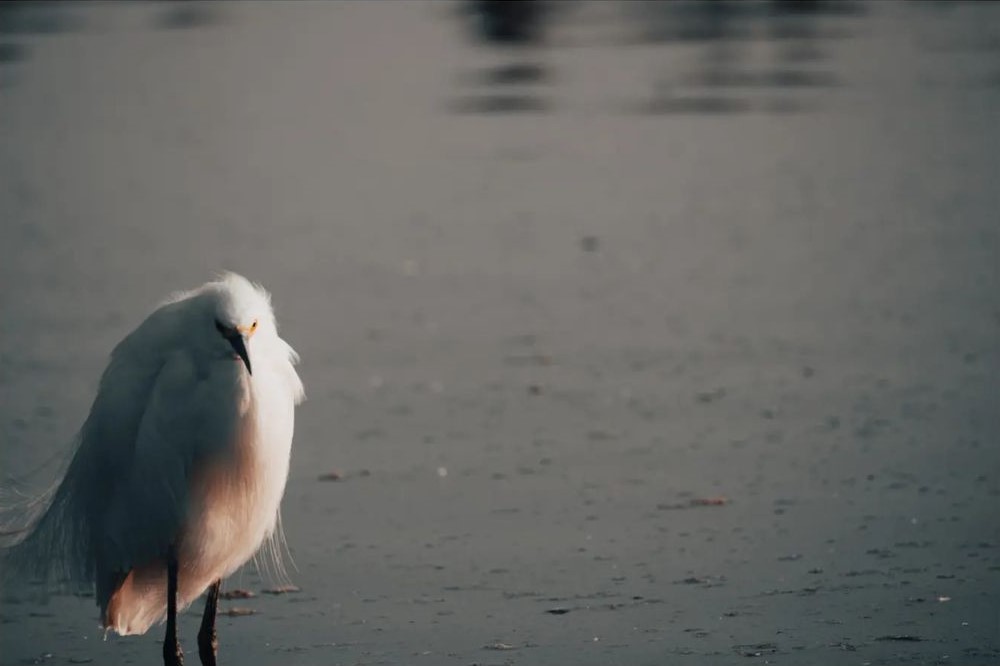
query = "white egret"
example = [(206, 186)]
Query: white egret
[(181, 464)]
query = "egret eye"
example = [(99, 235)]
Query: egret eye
[(253, 326)]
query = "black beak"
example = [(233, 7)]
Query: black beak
[(240, 347)]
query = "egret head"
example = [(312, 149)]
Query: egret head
[(241, 311)]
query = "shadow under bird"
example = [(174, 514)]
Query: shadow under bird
[(181, 465)]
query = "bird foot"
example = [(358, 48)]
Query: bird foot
[(172, 654), (208, 648)]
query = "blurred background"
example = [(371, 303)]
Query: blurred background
[(632, 331)]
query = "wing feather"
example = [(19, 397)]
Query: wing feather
[(189, 419), (124, 496), (63, 534)]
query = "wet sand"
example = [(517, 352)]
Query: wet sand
[(658, 342)]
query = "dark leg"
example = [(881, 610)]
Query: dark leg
[(208, 644), (172, 654)]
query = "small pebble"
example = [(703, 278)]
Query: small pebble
[(237, 594)]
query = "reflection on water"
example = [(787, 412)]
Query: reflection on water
[(500, 103), (776, 78), (509, 87), (35, 18), (514, 73), (751, 56), (506, 22), (512, 85), (12, 52), (720, 56), (186, 14), (667, 22), (19, 21), (663, 57)]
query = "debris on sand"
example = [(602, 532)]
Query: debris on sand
[(237, 594), (694, 502), (755, 650), (239, 611), (902, 638), (707, 581), (558, 610), (332, 475), (710, 501), (282, 589), (499, 646), (692, 580), (706, 397)]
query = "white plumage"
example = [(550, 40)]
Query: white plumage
[(185, 450)]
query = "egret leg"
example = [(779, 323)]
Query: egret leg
[(208, 643), (172, 653)]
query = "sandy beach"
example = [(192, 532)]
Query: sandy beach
[(673, 338)]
